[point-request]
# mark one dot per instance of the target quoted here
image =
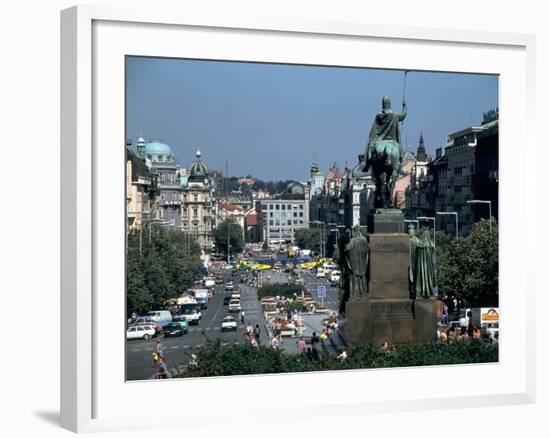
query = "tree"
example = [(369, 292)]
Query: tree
[(165, 266), (236, 240), (468, 266), (309, 238), (139, 297)]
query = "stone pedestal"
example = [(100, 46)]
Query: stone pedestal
[(386, 220), (389, 265), (388, 314)]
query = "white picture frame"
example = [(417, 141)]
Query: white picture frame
[(94, 400)]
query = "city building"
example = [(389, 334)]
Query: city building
[(253, 225), (486, 174), (316, 181), (285, 213), (161, 162), (232, 212), (139, 190), (217, 182), (197, 205), (465, 170)]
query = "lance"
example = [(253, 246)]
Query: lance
[(404, 93)]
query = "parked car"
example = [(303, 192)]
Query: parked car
[(226, 300), (182, 321), (173, 329), (140, 332), (234, 305), (229, 323)]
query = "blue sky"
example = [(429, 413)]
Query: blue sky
[(270, 120)]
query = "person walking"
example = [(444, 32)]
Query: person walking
[(242, 316), (314, 341), (158, 352), (275, 343), (257, 332), (301, 345), (163, 369)]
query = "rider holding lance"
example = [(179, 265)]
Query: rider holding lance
[(383, 152)]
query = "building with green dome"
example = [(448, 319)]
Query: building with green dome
[(162, 164)]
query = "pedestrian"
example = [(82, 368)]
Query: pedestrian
[(477, 333), (314, 341), (162, 372), (253, 342), (323, 336), (275, 343), (242, 316), (257, 332), (159, 350), (277, 328), (301, 345)]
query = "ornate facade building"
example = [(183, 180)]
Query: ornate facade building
[(197, 204), (161, 162), (140, 190)]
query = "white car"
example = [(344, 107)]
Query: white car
[(234, 305), (229, 323), (140, 332)]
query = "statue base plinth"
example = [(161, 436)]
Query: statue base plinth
[(396, 321), (388, 313), (386, 220)]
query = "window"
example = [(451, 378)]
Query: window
[(277, 207), (196, 198), (301, 206), (301, 214), (289, 207), (271, 206), (283, 207), (195, 212), (289, 222), (270, 214), (295, 214), (270, 223)]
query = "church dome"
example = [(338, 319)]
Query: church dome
[(157, 149), (198, 169)]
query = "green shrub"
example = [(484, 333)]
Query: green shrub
[(215, 359), (280, 289)]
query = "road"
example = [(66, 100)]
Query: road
[(178, 350), (139, 362), (312, 283)]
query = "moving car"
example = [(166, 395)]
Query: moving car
[(160, 317), (182, 321), (334, 278), (191, 312), (234, 305), (173, 329), (229, 323), (140, 332), (226, 300), (229, 286)]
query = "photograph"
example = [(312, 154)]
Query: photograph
[(285, 218)]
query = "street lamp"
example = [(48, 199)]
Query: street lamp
[(456, 219), (428, 218), (323, 243), (480, 201)]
